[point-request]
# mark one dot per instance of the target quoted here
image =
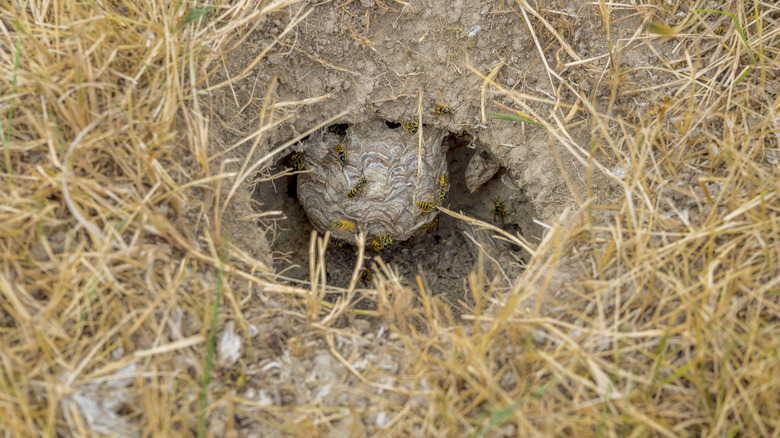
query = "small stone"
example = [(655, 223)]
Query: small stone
[(479, 171)]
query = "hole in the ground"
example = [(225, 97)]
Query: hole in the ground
[(441, 253)]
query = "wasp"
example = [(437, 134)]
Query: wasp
[(411, 127), (442, 187), (296, 161), (461, 133), (338, 128), (340, 244), (431, 225), (341, 224), (444, 110), (425, 206), (498, 209), (720, 30), (358, 187), (654, 110), (384, 240), (366, 276), (342, 155)]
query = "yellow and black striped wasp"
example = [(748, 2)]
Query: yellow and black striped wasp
[(358, 187)]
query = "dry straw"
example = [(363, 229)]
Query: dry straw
[(654, 314)]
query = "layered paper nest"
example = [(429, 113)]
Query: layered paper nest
[(396, 176)]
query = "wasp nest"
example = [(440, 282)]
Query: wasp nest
[(371, 178)]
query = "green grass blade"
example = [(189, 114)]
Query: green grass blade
[(512, 118), (211, 348), (194, 15), (498, 419)]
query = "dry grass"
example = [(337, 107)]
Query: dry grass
[(657, 314)]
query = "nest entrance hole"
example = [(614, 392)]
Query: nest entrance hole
[(441, 254)]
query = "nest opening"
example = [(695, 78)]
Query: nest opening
[(440, 253)]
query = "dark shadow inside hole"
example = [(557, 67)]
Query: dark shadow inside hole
[(339, 128)]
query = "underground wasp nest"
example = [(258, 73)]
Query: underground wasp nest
[(367, 178)]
